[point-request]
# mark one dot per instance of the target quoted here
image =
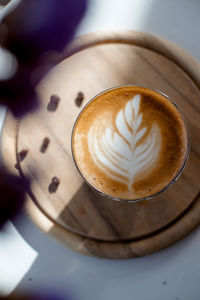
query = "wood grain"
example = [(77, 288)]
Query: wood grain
[(73, 214)]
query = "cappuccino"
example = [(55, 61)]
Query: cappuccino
[(130, 142)]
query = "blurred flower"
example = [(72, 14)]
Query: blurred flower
[(13, 191), (33, 33)]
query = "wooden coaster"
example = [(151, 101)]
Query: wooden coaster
[(70, 211)]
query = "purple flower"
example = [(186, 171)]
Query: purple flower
[(35, 31), (13, 191)]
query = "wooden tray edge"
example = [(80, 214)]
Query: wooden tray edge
[(107, 249)]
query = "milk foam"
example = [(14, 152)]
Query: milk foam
[(130, 149)]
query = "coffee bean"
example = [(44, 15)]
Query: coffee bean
[(79, 99), (55, 180), (22, 154), (44, 145), (17, 166), (54, 185), (53, 103)]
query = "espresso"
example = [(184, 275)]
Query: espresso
[(130, 142)]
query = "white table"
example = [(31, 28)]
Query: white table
[(29, 260)]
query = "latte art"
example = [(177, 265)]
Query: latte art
[(120, 154), (130, 142)]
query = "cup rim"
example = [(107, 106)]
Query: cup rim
[(172, 180)]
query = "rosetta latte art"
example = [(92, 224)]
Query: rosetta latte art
[(129, 151)]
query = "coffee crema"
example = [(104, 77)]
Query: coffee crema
[(130, 142)]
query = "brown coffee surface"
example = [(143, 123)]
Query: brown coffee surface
[(130, 142)]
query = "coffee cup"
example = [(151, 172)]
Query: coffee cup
[(130, 143)]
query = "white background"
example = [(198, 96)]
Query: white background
[(30, 261)]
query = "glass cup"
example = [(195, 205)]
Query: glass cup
[(179, 171)]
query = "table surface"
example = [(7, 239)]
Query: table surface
[(31, 261)]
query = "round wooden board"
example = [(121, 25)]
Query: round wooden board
[(73, 214)]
